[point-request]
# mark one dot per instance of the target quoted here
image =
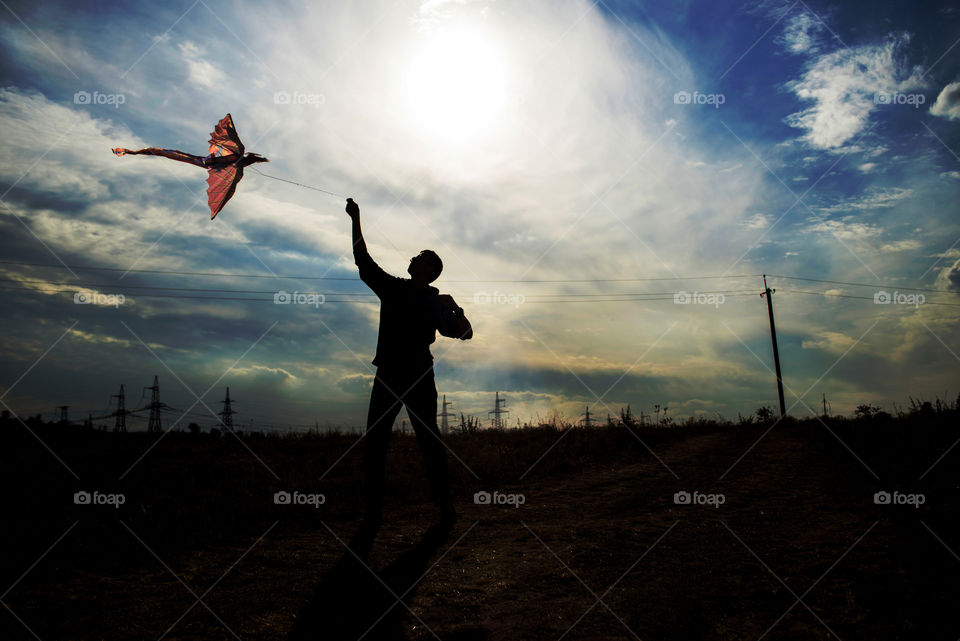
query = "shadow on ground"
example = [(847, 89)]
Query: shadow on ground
[(352, 601)]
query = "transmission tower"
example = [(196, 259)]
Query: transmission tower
[(444, 415), (497, 411), (121, 423), (587, 418), (226, 416), (153, 424)]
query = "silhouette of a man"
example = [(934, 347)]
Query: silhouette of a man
[(411, 312)]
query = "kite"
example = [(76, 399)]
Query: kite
[(224, 164)]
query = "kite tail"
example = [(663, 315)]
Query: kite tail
[(173, 154)]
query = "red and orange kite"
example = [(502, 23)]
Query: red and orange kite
[(224, 164)]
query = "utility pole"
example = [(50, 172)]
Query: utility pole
[(226, 416), (444, 415), (121, 423), (153, 424), (773, 337), (497, 411)]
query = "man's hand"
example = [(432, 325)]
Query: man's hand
[(353, 209)]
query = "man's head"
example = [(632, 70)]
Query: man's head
[(425, 266)]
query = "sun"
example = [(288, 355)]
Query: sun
[(456, 84)]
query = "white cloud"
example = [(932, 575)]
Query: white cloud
[(947, 104), (906, 244), (833, 342), (849, 230), (264, 373), (844, 85), (872, 199), (757, 221), (199, 68), (66, 150), (846, 229), (802, 34)]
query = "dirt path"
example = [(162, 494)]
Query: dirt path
[(605, 554)]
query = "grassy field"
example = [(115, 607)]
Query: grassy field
[(783, 537)]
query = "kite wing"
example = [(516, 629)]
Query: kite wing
[(224, 140), (221, 183)]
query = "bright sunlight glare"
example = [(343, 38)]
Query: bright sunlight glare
[(456, 84)]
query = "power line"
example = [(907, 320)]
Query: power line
[(797, 291), (354, 278), (568, 297), (273, 291), (593, 297), (840, 282), (547, 280), (173, 272), (588, 298), (156, 287)]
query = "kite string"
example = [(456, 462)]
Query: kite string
[(296, 183)]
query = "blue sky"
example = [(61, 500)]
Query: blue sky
[(583, 169)]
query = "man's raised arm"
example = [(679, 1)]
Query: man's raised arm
[(370, 272), (359, 246)]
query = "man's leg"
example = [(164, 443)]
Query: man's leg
[(421, 402), (384, 407)]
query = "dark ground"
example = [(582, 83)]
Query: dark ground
[(599, 550)]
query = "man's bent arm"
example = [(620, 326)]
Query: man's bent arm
[(464, 328)]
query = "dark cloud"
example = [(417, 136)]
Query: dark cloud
[(948, 102), (949, 277)]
